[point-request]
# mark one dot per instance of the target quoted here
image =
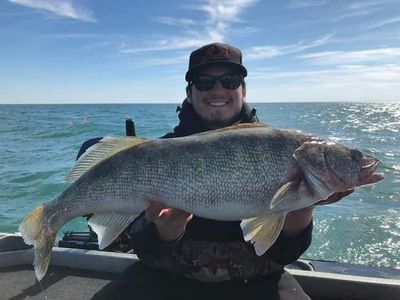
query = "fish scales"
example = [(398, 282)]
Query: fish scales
[(252, 173), (208, 171)]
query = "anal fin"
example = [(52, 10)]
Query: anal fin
[(262, 231), (109, 226)]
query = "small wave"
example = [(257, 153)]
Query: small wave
[(390, 169), (33, 177), (389, 154), (340, 139)]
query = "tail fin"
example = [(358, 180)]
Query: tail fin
[(35, 232)]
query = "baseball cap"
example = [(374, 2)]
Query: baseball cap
[(215, 54)]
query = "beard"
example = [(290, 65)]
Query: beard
[(216, 120)]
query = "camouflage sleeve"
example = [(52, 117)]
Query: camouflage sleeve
[(288, 249), (144, 238)]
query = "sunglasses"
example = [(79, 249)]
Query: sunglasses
[(205, 83)]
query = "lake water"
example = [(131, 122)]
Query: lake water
[(39, 143)]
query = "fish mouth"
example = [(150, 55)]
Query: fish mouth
[(369, 165), (366, 176)]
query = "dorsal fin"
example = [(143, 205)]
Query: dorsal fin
[(244, 125), (105, 148), (236, 127)]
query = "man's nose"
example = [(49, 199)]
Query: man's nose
[(218, 87)]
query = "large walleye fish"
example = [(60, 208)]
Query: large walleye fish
[(249, 172)]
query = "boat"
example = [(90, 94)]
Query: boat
[(77, 273)]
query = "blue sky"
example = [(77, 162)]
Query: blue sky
[(87, 51)]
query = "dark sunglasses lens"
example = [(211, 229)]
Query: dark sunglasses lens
[(231, 82), (228, 81), (204, 83)]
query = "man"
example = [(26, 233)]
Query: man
[(185, 256)]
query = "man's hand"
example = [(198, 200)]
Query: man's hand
[(170, 222), (336, 197), (297, 221)]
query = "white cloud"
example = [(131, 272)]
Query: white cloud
[(361, 9), (352, 57), (263, 52), (17, 14), (174, 21), (63, 8), (341, 83), (342, 73), (72, 36), (168, 44), (354, 14), (177, 60), (294, 4), (224, 11), (384, 23), (221, 14), (367, 3)]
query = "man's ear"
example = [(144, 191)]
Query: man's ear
[(244, 92), (189, 94)]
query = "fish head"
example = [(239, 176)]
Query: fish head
[(336, 168)]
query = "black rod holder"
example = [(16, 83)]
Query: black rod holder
[(130, 127)]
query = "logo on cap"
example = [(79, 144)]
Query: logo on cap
[(215, 53)]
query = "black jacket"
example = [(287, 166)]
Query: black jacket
[(143, 234), (145, 240)]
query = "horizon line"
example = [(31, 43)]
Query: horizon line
[(160, 103)]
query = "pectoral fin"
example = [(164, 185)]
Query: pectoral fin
[(262, 232), (321, 190), (296, 195), (109, 227)]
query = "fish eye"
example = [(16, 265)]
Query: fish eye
[(356, 154)]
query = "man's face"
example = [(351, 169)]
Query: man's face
[(218, 107)]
